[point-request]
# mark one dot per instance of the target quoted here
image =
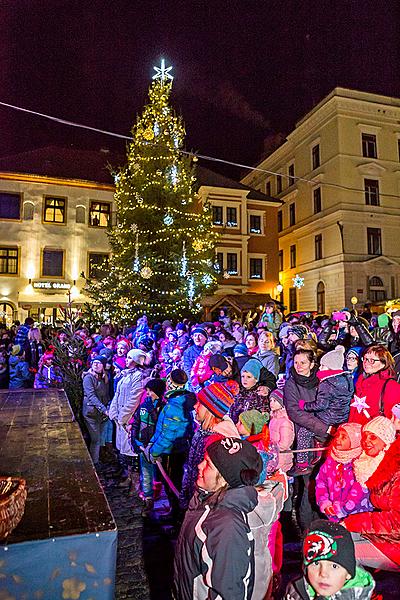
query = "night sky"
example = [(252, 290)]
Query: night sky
[(244, 70)]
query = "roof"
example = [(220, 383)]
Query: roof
[(210, 178), (242, 302)]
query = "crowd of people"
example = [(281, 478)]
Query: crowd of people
[(229, 417)]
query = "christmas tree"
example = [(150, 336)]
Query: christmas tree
[(162, 260)]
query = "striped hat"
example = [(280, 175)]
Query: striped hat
[(216, 398)]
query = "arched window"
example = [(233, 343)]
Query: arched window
[(377, 290), (321, 297), (29, 209), (80, 214), (376, 282), (7, 313)]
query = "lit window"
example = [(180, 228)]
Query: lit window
[(100, 213), (231, 217), (9, 261), (218, 218), (54, 210), (256, 268)]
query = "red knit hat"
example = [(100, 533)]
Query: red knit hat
[(216, 398)]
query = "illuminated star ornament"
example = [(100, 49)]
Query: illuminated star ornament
[(162, 72), (298, 281), (361, 405)]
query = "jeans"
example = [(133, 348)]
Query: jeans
[(95, 428), (147, 476)]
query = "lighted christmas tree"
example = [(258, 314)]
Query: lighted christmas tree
[(162, 260)]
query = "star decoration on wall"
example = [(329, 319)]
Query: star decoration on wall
[(361, 405), (163, 72), (298, 281)]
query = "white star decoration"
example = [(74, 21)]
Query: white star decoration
[(361, 405), (162, 72)]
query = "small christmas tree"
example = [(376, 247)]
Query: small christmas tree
[(162, 260)]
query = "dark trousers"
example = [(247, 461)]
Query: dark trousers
[(173, 465), (95, 428)]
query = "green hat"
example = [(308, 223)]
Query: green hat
[(16, 350), (253, 421)]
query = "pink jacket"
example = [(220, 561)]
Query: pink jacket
[(201, 371), (281, 430)]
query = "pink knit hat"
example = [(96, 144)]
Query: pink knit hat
[(353, 430)]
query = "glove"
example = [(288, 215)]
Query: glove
[(330, 511), (146, 451), (301, 404)]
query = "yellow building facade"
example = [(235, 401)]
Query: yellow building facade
[(338, 175)]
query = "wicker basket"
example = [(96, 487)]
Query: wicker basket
[(12, 503)]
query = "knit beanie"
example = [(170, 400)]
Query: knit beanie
[(253, 421), (16, 350), (326, 540), (216, 398), (180, 327), (100, 358), (300, 330), (137, 355), (173, 334), (334, 359), (199, 329), (355, 350), (383, 428), (252, 366), (278, 396), (396, 411), (237, 460), (178, 377), (123, 342), (120, 362), (158, 386), (353, 430), (240, 349), (217, 361), (283, 330)]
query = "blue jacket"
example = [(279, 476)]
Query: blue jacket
[(20, 376), (174, 429)]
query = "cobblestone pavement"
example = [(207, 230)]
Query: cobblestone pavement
[(145, 548)]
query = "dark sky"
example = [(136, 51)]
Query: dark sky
[(244, 70)]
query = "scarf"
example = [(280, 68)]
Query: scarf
[(345, 456), (365, 466), (303, 381)]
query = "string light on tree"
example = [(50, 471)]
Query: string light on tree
[(298, 281), (146, 272)]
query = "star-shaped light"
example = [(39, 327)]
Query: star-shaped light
[(298, 281), (162, 72), (361, 405)]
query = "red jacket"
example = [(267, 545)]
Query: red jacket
[(382, 526), (371, 388)]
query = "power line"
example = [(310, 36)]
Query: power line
[(202, 156)]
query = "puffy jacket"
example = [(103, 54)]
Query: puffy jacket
[(382, 525), (298, 388), (344, 338), (144, 421), (123, 405), (174, 429), (281, 430), (20, 376), (360, 587), (214, 556), (334, 395), (48, 377), (370, 388)]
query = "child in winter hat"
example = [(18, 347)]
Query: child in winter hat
[(337, 491), (281, 429), (329, 564), (368, 462)]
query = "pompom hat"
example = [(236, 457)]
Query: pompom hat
[(334, 359), (216, 398), (383, 428)]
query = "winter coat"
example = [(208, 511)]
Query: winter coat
[(298, 388), (281, 430), (360, 587), (273, 321), (144, 422), (336, 485), (248, 400), (189, 357), (95, 396), (214, 556), (270, 496), (370, 387), (382, 525), (33, 353), (334, 394), (344, 338), (48, 377), (269, 359), (123, 405), (174, 429), (196, 454), (201, 371), (21, 337), (183, 341), (19, 374)]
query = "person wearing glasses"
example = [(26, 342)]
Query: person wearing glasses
[(377, 390)]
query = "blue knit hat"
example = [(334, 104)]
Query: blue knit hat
[(240, 349), (252, 366)]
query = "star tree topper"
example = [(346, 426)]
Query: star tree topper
[(162, 72)]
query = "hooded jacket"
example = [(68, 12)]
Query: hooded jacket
[(95, 395), (371, 387), (174, 429), (334, 394), (214, 557), (360, 587), (20, 376)]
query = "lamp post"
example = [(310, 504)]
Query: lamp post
[(354, 301)]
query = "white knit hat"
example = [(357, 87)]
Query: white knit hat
[(334, 359), (383, 428)]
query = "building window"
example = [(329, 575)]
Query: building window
[(53, 263), (80, 216), (280, 260), (280, 221), (374, 241), (321, 297), (29, 210), (232, 263), (292, 299), (377, 291), (9, 261), (255, 224), (268, 188), (54, 210), (218, 218), (371, 187), (317, 200), (220, 261), (292, 214), (10, 206), (256, 268), (100, 213), (316, 157), (278, 184), (98, 265), (291, 175), (318, 246), (292, 257), (369, 145), (231, 217)]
